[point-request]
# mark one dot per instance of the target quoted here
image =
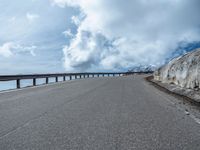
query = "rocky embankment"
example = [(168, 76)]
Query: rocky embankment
[(183, 71)]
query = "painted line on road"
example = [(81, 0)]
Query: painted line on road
[(195, 118)]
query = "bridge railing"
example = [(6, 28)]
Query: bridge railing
[(34, 77)]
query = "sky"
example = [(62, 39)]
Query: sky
[(49, 36)]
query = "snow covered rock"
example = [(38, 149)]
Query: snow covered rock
[(183, 71)]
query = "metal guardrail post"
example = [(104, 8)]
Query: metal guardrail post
[(64, 79), (75, 76), (56, 78), (97, 75), (80, 76), (47, 80), (34, 81), (18, 83), (70, 77)]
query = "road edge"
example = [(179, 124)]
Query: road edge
[(184, 98)]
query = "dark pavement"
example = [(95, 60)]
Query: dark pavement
[(113, 113)]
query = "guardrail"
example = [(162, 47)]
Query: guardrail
[(33, 77)]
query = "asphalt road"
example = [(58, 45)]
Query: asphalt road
[(115, 113)]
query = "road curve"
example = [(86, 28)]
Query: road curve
[(114, 113)]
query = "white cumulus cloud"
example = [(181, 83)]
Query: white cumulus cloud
[(5, 49), (116, 34), (9, 49)]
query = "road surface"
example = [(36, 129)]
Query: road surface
[(114, 113)]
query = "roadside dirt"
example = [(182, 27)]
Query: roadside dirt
[(184, 103)]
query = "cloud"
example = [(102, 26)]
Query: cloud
[(19, 49), (9, 49), (77, 19), (115, 34), (32, 17), (68, 33), (5, 49)]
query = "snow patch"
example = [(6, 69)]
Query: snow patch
[(183, 71)]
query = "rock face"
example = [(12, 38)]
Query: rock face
[(183, 71)]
